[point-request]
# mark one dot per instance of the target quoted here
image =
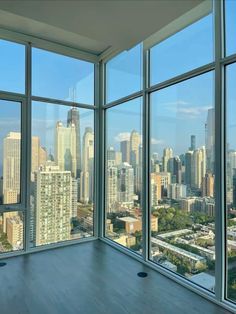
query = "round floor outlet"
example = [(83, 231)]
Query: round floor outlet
[(142, 274), (2, 264)]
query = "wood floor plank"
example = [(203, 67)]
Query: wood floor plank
[(91, 278)]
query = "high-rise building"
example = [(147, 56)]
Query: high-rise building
[(73, 118), (167, 154), (125, 151), (198, 167), (74, 191), (187, 204), (111, 156), (176, 191), (39, 156), (138, 173), (112, 188), (111, 153), (193, 143), (234, 188), (135, 141), (155, 157), (118, 158), (175, 167), (42, 156), (208, 185), (6, 216), (155, 188), (65, 148), (230, 166), (14, 231), (35, 155), (86, 184), (53, 205), (210, 140), (126, 183), (188, 168), (11, 168)]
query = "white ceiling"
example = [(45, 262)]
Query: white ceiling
[(93, 26)]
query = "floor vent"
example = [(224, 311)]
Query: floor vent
[(142, 274)]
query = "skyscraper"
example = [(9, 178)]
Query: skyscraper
[(74, 191), (135, 141), (198, 167), (155, 188), (73, 117), (65, 148), (234, 188), (14, 231), (125, 151), (210, 140), (175, 167), (35, 153), (231, 166), (208, 185), (39, 156), (126, 183), (86, 185), (167, 154), (111, 156), (11, 168), (188, 168), (176, 191), (193, 143), (112, 188), (53, 205)]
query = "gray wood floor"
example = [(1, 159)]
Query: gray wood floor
[(91, 278)]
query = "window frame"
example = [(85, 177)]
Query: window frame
[(26, 100), (218, 66)]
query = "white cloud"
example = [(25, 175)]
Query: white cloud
[(176, 103), (155, 141), (186, 110), (193, 112), (125, 136)]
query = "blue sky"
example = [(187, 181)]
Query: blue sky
[(177, 112)]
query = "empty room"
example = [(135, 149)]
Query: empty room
[(118, 157)]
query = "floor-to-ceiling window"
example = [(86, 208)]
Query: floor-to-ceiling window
[(123, 149), (12, 106), (188, 97), (230, 148), (47, 147), (62, 171), (182, 154)]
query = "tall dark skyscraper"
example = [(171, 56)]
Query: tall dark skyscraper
[(74, 117), (193, 142), (125, 151), (188, 167), (234, 188)]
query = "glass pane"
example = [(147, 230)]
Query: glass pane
[(123, 174), (12, 67), (124, 74), (11, 231), (10, 151), (231, 179), (62, 175), (61, 77), (182, 179), (230, 26), (186, 50)]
